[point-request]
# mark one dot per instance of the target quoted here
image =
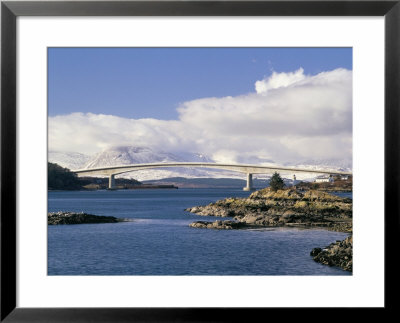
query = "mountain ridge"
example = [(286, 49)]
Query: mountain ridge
[(127, 155)]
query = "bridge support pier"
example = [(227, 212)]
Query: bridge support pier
[(249, 186), (111, 182)]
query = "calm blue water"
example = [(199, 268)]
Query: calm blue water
[(343, 194), (159, 241)]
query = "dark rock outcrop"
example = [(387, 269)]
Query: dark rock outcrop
[(78, 218), (220, 225), (339, 254)]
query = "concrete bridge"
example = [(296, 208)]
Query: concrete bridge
[(241, 168)]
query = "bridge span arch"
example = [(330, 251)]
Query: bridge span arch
[(248, 169)]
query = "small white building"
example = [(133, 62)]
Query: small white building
[(324, 179)]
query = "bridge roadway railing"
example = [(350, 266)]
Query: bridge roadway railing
[(241, 168)]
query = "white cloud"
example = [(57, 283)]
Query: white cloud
[(291, 116), (89, 133), (278, 80)]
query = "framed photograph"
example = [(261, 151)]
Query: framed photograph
[(192, 160)]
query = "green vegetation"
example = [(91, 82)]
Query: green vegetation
[(60, 178), (276, 182)]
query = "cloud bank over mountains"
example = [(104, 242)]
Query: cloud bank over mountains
[(290, 117)]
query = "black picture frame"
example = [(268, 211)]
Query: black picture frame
[(10, 10)]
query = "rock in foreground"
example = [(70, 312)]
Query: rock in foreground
[(284, 207), (339, 254), (78, 218)]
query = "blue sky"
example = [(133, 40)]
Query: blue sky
[(245, 105), (152, 82)]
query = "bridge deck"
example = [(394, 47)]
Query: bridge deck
[(242, 168)]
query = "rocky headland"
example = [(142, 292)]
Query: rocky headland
[(287, 207), (54, 218)]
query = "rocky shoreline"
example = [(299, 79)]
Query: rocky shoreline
[(288, 207), (55, 218), (338, 254), (221, 225), (266, 208)]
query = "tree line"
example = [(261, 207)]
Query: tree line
[(60, 178)]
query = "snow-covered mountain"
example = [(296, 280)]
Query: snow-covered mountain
[(69, 160), (127, 155), (339, 165)]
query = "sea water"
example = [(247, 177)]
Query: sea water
[(159, 241)]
